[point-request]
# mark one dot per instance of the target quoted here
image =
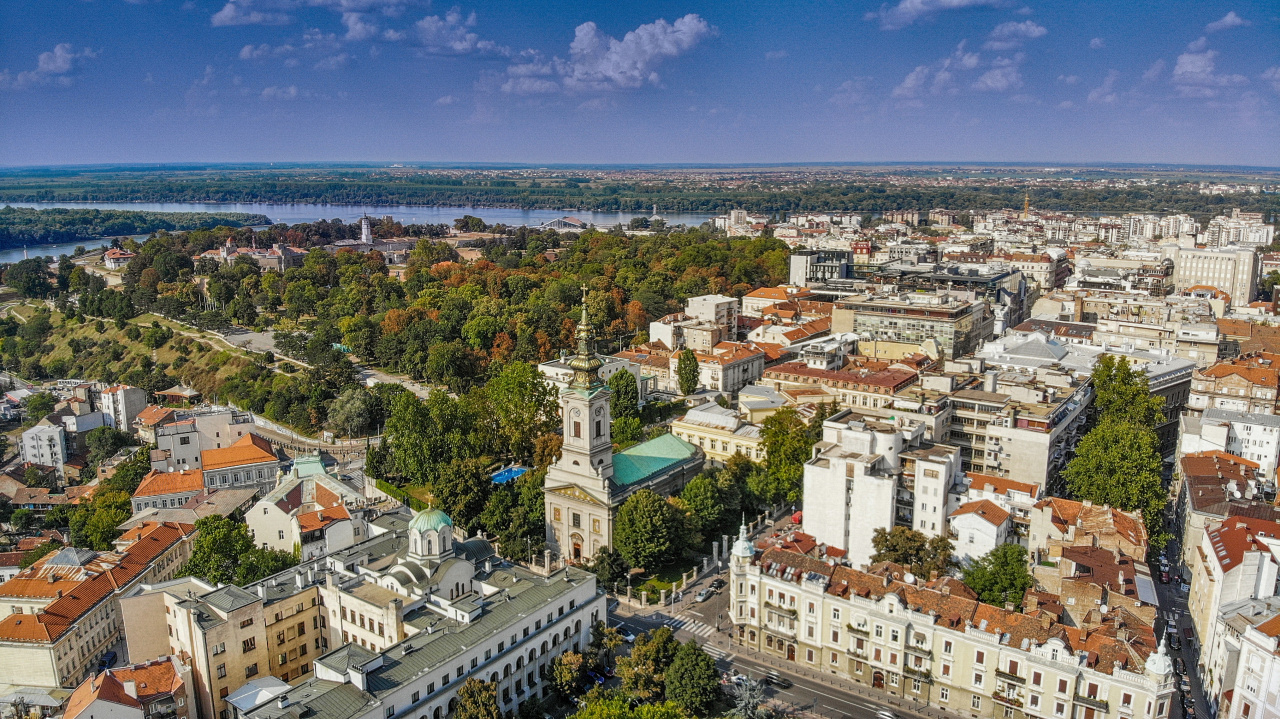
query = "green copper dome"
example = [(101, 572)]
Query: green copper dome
[(430, 520)]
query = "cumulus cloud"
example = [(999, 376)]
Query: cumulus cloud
[(1272, 77), (907, 12), (775, 54), (1153, 72), (240, 12), (357, 28), (1069, 79), (1008, 35), (452, 34), (1066, 105), (446, 100), (392, 35), (1194, 75), (1106, 92), (1227, 22), (850, 92), (280, 93), (52, 67), (600, 62), (1198, 44), (257, 52), (333, 62), (1002, 76), (938, 77), (1097, 43)]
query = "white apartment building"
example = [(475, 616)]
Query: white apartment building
[(1255, 437), (1223, 658), (45, 445), (1239, 228), (1257, 676), (315, 515), (720, 432), (869, 473), (1230, 268), (122, 404), (718, 309), (978, 527), (932, 642)]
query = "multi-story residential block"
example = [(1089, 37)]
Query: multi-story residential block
[(979, 526), (45, 445), (855, 387), (869, 473), (717, 309), (1257, 679), (1236, 560), (1223, 657), (248, 462), (151, 417), (312, 514), (1247, 383), (720, 432), (790, 333), (933, 642), (1231, 269), (680, 330), (64, 610), (1213, 486), (122, 404), (756, 300), (1016, 498), (958, 326), (159, 689), (1254, 437), (167, 490), (1238, 228)]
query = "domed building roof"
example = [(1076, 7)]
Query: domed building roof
[(1159, 664), (430, 520)]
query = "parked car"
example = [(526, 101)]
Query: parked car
[(717, 583), (1180, 665), (1174, 643), (705, 594), (1164, 577), (107, 661), (885, 714), (596, 677)]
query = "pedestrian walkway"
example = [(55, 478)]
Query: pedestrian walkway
[(693, 626)]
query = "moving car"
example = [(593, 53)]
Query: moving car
[(885, 714), (1180, 665), (626, 634), (777, 680), (717, 583), (706, 594)]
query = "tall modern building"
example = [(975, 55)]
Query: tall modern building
[(586, 486)]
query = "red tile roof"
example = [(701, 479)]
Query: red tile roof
[(104, 687), (319, 519), (1231, 539), (157, 483), (1000, 485), (249, 449), (985, 509)]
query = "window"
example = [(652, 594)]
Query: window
[(1062, 686), (946, 670), (879, 632), (281, 533), (977, 679), (577, 520), (222, 671), (249, 644), (1035, 701), (944, 694), (1126, 701), (599, 432), (893, 680), (555, 514), (835, 636), (809, 656), (946, 647), (893, 636), (250, 670), (577, 429), (1059, 709), (184, 441), (915, 685), (980, 657), (1013, 666), (835, 615), (222, 694), (835, 658), (1036, 678), (246, 623), (391, 711), (977, 702)]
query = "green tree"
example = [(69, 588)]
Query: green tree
[(691, 680), (626, 430), (1123, 392), (353, 411), (647, 531), (224, 553), (625, 401), (477, 700), (788, 445), (605, 643), (643, 672), (913, 550), (609, 566), (463, 489), (40, 404), (1118, 464), (687, 372), (749, 701), (702, 498), (22, 520), (1000, 576), (567, 671), (29, 277), (616, 705), (525, 407)]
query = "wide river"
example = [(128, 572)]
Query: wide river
[(294, 213)]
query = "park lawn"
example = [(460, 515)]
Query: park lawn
[(421, 494)]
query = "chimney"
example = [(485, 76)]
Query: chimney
[(299, 579), (1008, 606), (262, 590), (130, 688)]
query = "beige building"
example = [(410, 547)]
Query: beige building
[(63, 612), (933, 642), (720, 433), (310, 512)]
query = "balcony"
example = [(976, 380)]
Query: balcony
[(922, 674), (920, 651), (1006, 700), (857, 653), (1099, 704), (1010, 677), (864, 631)]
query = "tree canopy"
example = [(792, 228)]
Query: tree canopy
[(1000, 576), (224, 553), (691, 680), (913, 550), (648, 530)]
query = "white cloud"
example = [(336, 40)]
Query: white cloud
[(280, 93), (392, 35), (53, 66), (907, 12), (357, 28), (1066, 105), (446, 100), (1198, 44), (257, 52), (452, 34), (1228, 21), (238, 12), (913, 83), (1272, 76), (941, 73), (775, 54), (1069, 79), (1154, 71), (333, 62), (1008, 35), (850, 92), (1002, 76), (1105, 93), (598, 61), (1097, 43), (1194, 75)]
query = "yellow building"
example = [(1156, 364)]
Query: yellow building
[(720, 433)]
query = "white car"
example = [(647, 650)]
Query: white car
[(626, 634)]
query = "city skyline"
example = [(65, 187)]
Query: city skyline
[(945, 81)]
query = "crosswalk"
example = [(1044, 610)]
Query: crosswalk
[(717, 653), (693, 626)]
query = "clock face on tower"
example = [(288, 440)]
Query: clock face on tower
[(576, 412), (599, 411)]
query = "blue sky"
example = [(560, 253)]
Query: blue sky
[(89, 81)]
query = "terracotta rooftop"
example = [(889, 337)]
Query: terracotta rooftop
[(157, 483), (319, 519), (984, 508), (1238, 535), (249, 449), (1095, 520), (1001, 485), (153, 415), (152, 680), (101, 687)]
